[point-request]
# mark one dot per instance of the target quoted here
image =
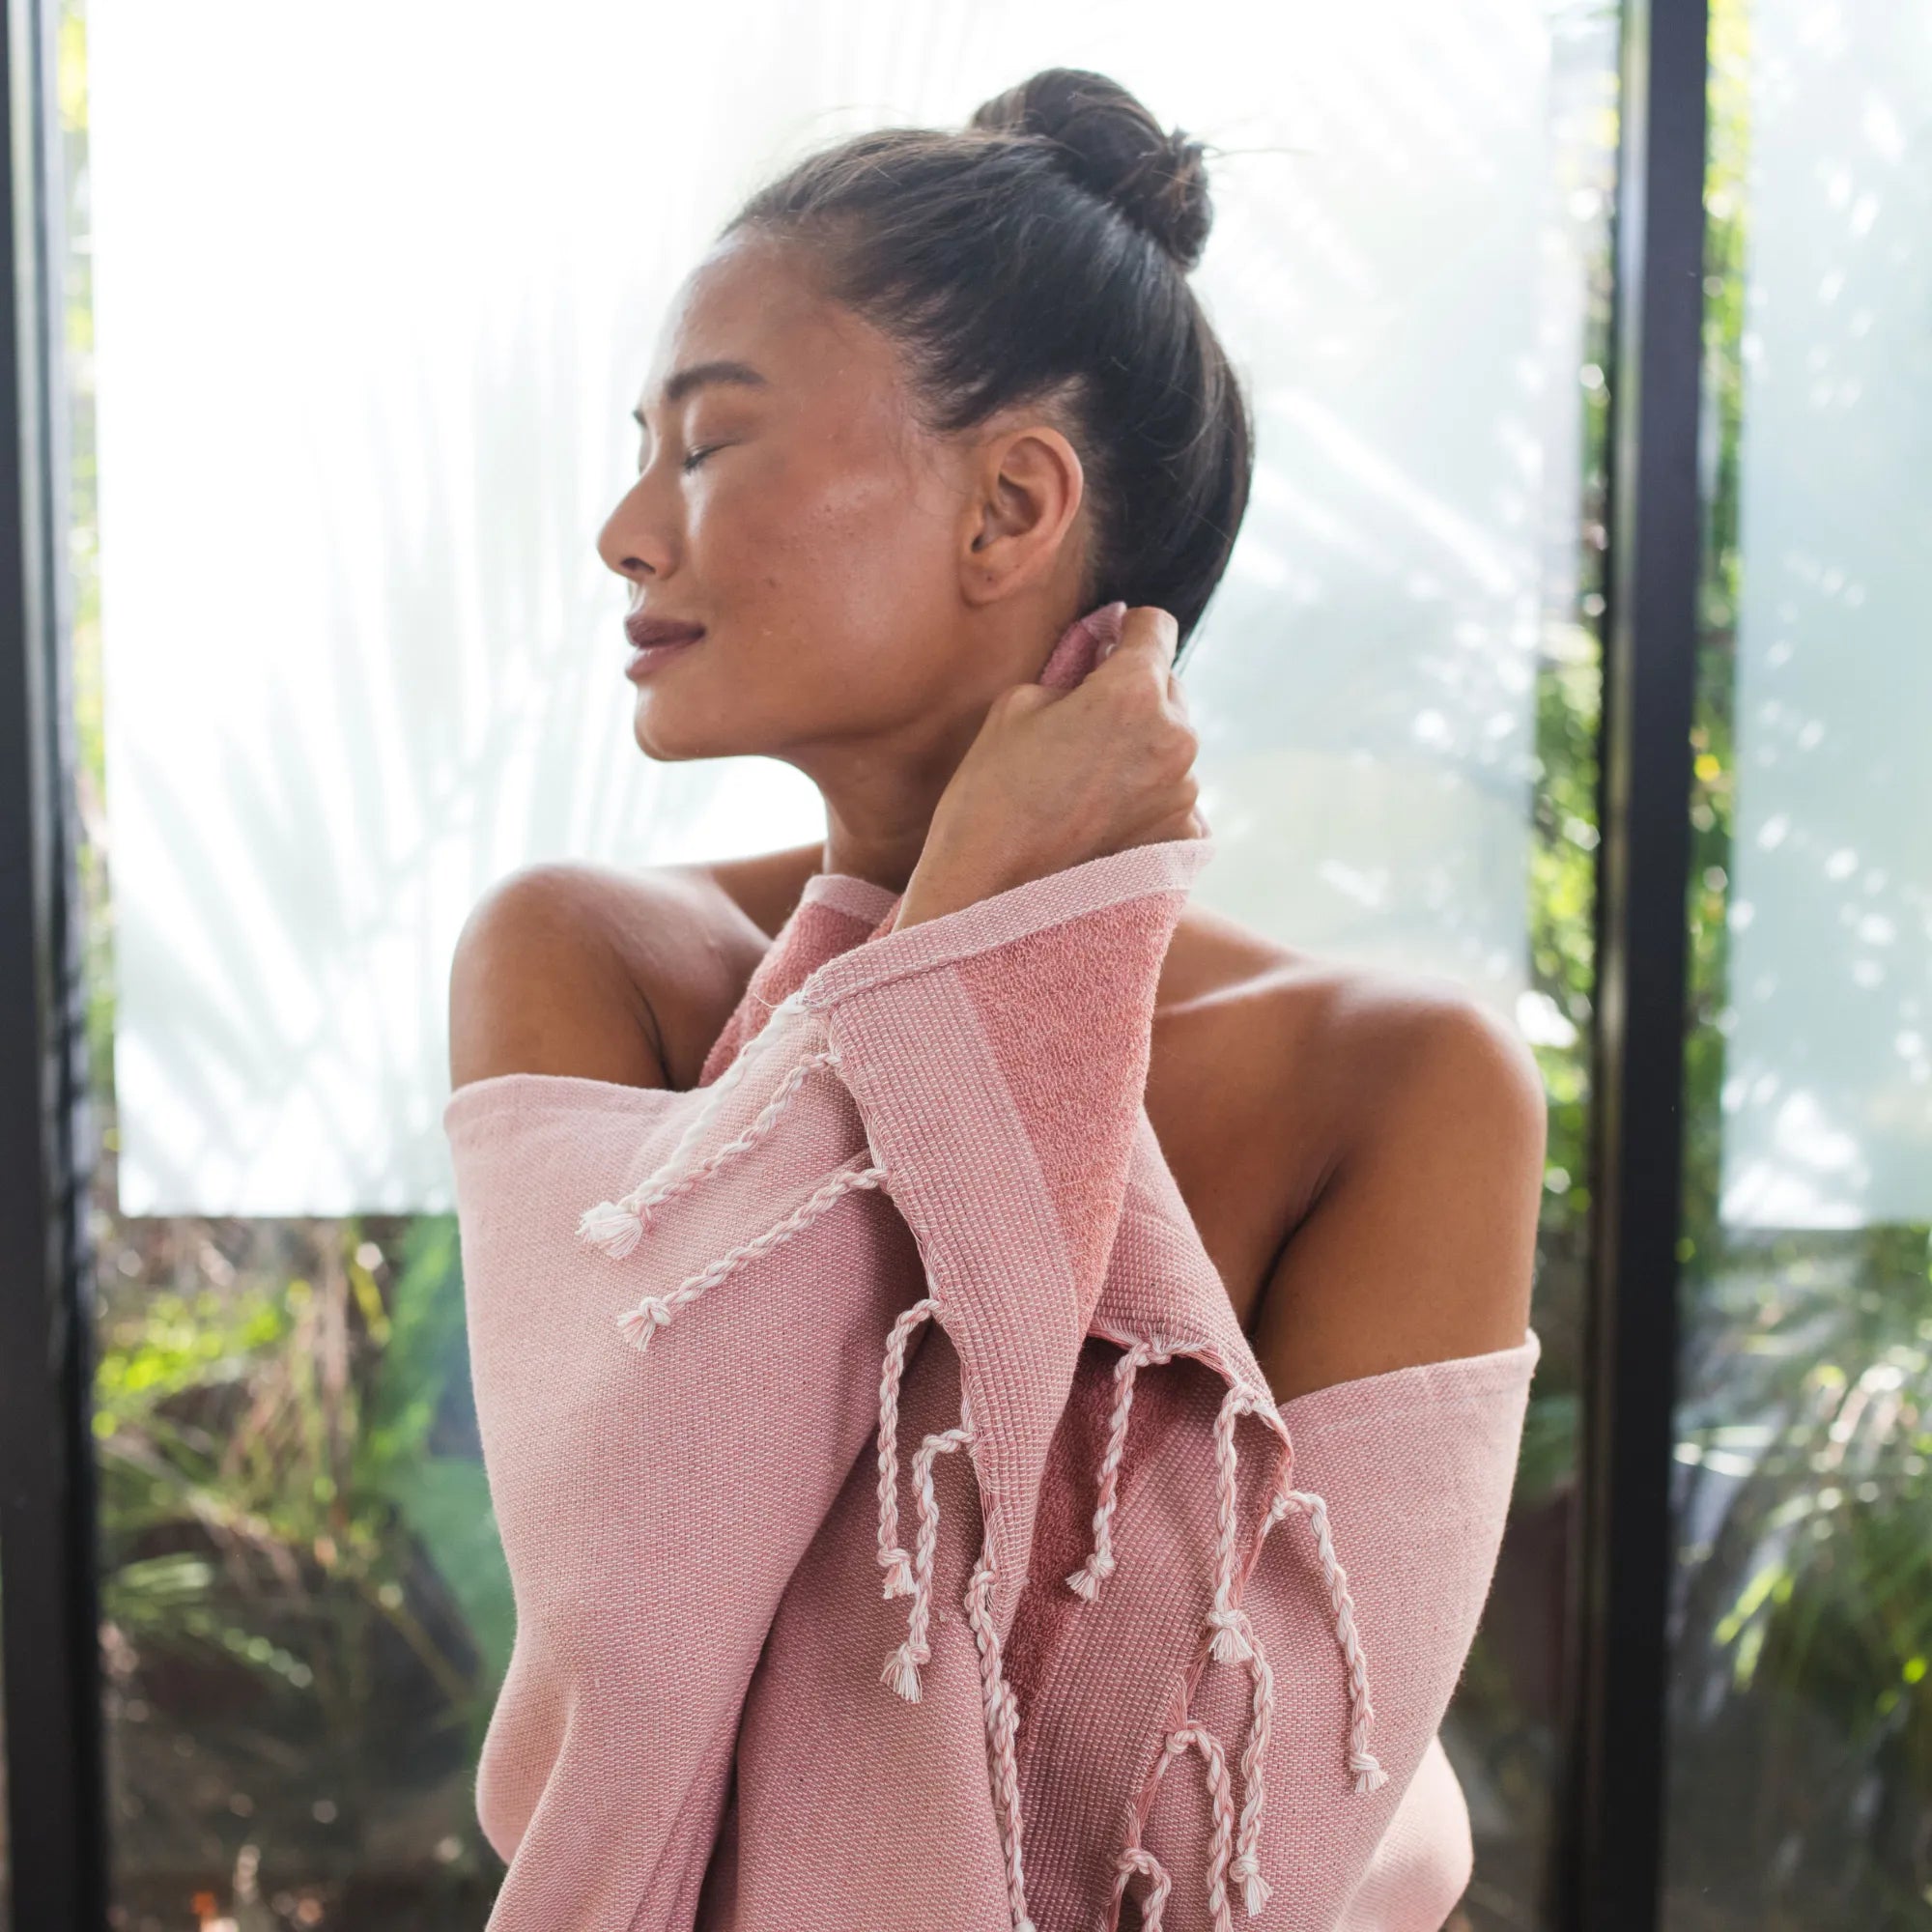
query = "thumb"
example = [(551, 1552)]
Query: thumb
[(1143, 625)]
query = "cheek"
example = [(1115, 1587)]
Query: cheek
[(842, 552)]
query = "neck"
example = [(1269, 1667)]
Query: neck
[(880, 796), (886, 862)]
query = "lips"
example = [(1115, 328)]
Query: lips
[(648, 632)]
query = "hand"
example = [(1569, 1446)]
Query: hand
[(1058, 777)]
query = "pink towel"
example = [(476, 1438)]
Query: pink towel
[(903, 1534)]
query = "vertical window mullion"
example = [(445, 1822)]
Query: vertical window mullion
[(1614, 1858), (55, 1787)]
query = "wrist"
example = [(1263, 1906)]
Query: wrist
[(931, 899)]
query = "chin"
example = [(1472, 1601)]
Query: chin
[(668, 748), (670, 734)]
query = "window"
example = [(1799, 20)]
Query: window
[(315, 646)]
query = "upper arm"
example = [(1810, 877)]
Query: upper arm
[(1421, 1246), (541, 982)]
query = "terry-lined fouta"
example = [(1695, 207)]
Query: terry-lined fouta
[(903, 1535)]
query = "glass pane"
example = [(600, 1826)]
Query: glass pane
[(347, 655), (306, 1611), (1801, 1769), (317, 770), (1504, 1732), (1827, 1096)]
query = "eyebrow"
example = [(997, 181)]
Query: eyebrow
[(680, 384)]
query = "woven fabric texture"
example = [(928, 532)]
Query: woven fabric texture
[(904, 1538)]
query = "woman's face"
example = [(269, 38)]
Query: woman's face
[(858, 580)]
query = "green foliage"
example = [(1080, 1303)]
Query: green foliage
[(299, 1553), (1801, 1717), (443, 1500), (283, 1431)]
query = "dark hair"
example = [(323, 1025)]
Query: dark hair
[(1041, 254)]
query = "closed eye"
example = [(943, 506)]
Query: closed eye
[(698, 456)]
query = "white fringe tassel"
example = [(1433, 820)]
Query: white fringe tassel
[(1369, 1774), (1136, 1858), (1246, 1869), (1234, 1637), (1229, 1645), (1086, 1580), (618, 1226), (893, 1559), (642, 1322), (1002, 1723), (903, 1667)]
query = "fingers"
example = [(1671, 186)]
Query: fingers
[(1163, 737), (1149, 642), (1148, 634)]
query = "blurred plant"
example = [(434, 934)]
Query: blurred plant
[(1805, 1623), (302, 1571), (1801, 1718), (232, 1425)]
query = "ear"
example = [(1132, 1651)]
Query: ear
[(1026, 490)]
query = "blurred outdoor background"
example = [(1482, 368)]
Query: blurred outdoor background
[(306, 1616)]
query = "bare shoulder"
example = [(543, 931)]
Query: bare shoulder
[(1394, 1123), (762, 888), (570, 967)]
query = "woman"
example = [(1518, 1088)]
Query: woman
[(930, 398)]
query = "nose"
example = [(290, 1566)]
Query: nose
[(635, 544)]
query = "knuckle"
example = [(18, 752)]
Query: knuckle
[(1171, 770)]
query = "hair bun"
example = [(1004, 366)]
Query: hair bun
[(1114, 148)]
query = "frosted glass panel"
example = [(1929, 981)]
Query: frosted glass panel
[(1829, 1064), (375, 289)]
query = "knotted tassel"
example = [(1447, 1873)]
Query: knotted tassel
[(901, 1671), (1086, 1580), (618, 1226), (893, 1558), (1135, 1857), (1003, 1722), (640, 1324), (1246, 1869), (903, 1667), (1363, 1765), (1229, 1645), (1153, 1902), (1246, 1872), (614, 1226)]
